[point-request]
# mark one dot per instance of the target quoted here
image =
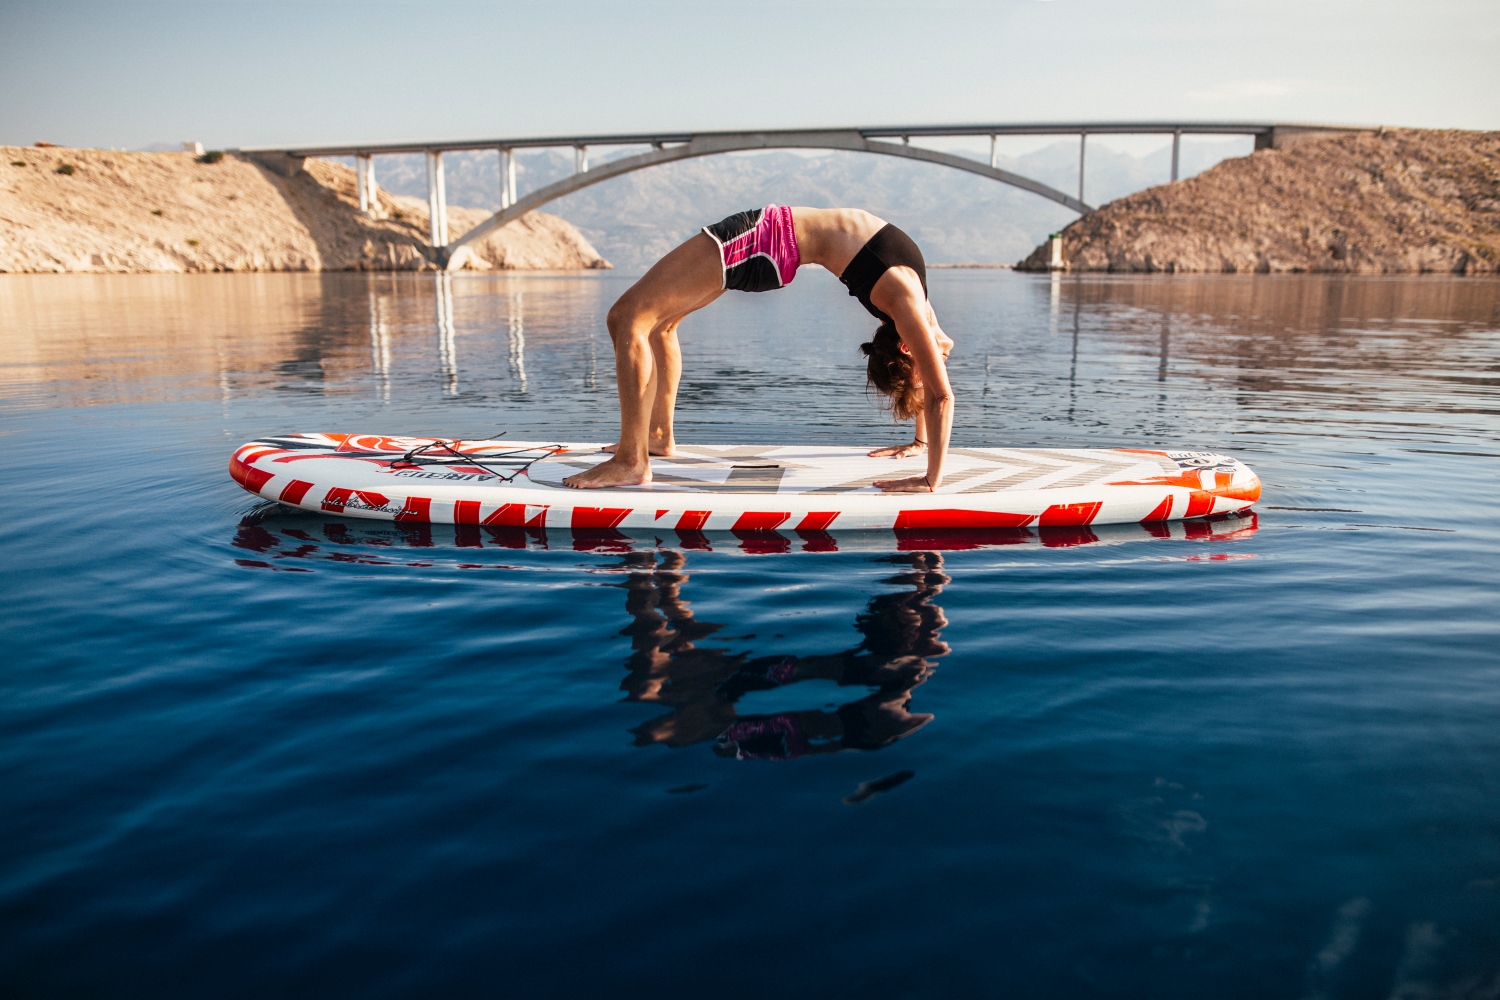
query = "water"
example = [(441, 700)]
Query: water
[(249, 752)]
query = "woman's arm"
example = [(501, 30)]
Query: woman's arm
[(899, 295)]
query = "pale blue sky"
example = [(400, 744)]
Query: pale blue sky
[(241, 74)]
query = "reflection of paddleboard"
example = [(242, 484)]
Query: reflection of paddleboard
[(739, 487)]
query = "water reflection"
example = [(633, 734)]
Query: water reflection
[(282, 533), (701, 685), (380, 345), (108, 339), (516, 331), (447, 351), (1159, 348)]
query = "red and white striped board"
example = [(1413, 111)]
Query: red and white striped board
[(736, 487)]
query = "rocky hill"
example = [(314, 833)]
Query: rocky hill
[(1394, 201), (102, 211)]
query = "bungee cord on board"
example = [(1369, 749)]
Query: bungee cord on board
[(410, 458)]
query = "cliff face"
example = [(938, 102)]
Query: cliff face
[(124, 212), (1398, 201)]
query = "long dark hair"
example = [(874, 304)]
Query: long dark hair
[(891, 372)]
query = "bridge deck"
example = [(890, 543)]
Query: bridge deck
[(882, 132)]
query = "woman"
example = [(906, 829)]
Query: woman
[(757, 251)]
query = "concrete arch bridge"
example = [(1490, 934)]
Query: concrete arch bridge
[(669, 147)]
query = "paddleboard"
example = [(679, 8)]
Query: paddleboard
[(736, 487)]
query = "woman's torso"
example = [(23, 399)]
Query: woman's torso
[(830, 237)]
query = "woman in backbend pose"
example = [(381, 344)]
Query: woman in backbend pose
[(757, 251)]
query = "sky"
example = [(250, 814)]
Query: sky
[(231, 74)]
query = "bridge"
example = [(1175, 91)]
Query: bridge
[(669, 147)]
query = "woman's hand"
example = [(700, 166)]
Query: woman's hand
[(915, 484), (900, 450)]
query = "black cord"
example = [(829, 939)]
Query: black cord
[(420, 450)]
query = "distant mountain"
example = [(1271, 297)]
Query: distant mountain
[(956, 217)]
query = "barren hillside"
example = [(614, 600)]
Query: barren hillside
[(1396, 201), (123, 212)]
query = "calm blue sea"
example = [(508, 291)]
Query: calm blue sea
[(246, 752)]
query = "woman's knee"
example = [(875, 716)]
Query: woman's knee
[(626, 321)]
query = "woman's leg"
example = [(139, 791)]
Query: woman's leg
[(643, 327), (666, 355)]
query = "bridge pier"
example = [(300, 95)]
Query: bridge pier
[(507, 178), (580, 159), (364, 183), (994, 161), (1176, 145), (437, 201), (1083, 138)]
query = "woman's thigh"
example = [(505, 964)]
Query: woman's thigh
[(688, 278)]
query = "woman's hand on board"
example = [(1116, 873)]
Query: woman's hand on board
[(914, 484), (900, 450)]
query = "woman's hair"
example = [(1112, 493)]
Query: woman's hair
[(891, 372)]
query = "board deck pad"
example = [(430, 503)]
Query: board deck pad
[(736, 487)]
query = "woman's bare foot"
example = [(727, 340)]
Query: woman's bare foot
[(900, 450), (615, 472), (666, 450)]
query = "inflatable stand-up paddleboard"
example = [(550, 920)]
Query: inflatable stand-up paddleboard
[(736, 487)]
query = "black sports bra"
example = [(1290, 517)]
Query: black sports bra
[(888, 248)]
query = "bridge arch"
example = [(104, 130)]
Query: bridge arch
[(454, 254)]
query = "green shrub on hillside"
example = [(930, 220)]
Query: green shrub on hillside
[(66, 169), (212, 156)]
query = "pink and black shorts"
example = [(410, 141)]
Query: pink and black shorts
[(758, 248)]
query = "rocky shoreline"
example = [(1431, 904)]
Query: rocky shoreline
[(90, 210), (1394, 201)]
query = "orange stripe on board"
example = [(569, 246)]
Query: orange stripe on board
[(760, 520), (294, 491), (692, 520), (250, 478), (954, 518), (1199, 504), (1251, 492), (1162, 512), (817, 520), (336, 498), (416, 509), (1070, 513), (598, 517), (513, 515), (510, 515), (466, 512)]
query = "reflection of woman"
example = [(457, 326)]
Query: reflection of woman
[(701, 685)]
